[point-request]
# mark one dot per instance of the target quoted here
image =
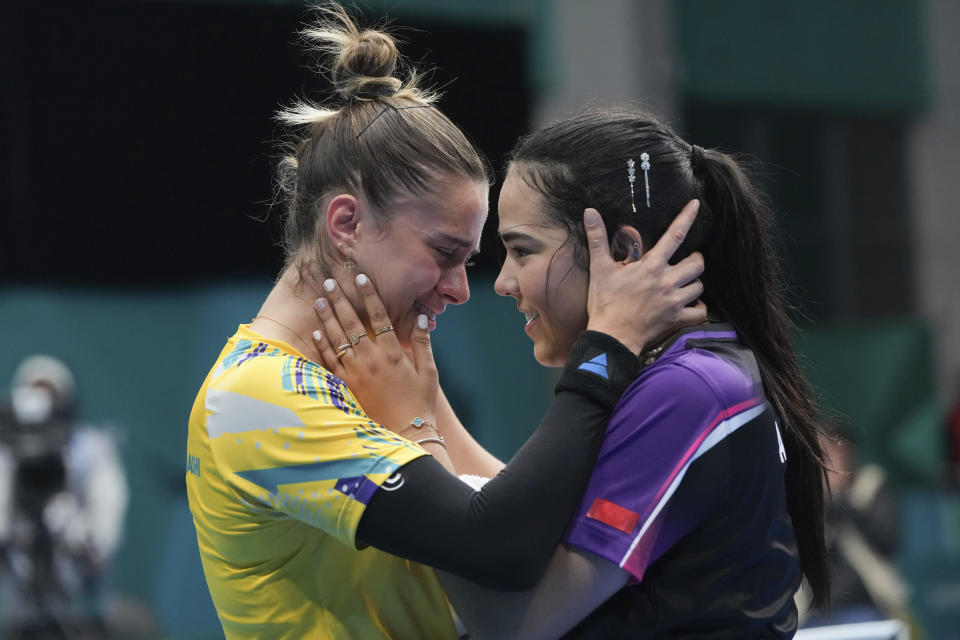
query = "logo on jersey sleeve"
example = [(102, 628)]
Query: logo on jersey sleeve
[(613, 515), (393, 483)]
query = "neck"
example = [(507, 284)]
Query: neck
[(288, 312)]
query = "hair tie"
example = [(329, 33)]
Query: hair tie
[(696, 158)]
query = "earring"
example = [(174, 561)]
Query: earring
[(634, 254), (348, 262)]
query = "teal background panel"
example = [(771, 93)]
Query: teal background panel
[(876, 380), (861, 55)]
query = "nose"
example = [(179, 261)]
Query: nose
[(506, 284), (453, 285)]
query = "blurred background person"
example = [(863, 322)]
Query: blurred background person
[(862, 530), (953, 438), (63, 496)]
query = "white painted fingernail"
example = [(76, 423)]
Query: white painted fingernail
[(330, 284), (317, 336), (361, 279), (321, 303), (422, 321)]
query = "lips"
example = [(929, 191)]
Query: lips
[(530, 316), (430, 313)]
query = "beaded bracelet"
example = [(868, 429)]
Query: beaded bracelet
[(438, 440)]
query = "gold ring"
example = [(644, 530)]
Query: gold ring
[(383, 330), (355, 338), (341, 353)]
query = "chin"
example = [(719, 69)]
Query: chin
[(548, 358)]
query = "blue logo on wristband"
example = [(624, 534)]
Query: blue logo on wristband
[(597, 365)]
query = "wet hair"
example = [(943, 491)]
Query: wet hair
[(378, 136), (581, 162)]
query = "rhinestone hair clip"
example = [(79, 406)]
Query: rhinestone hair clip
[(632, 176)]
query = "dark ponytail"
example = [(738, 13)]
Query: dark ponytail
[(582, 162), (753, 298)]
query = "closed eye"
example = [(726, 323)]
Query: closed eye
[(448, 255), (471, 259)]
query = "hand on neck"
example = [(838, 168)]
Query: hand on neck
[(289, 306)]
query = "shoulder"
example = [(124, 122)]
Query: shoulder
[(698, 376), (259, 369), (686, 392), (246, 360)]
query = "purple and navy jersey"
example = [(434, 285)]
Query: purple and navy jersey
[(688, 496)]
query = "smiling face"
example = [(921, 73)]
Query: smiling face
[(539, 272), (418, 260)]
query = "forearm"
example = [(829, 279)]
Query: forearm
[(503, 535), (465, 452), (574, 584), (488, 613), (440, 454)]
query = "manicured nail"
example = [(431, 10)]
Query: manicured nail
[(330, 284), (320, 303), (422, 321), (361, 279), (317, 336), (591, 218)]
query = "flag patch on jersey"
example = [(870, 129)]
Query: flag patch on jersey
[(596, 365), (613, 515)]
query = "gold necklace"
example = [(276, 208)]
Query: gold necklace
[(650, 355), (291, 331)]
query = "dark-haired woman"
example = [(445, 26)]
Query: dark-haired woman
[(705, 508), (290, 479)]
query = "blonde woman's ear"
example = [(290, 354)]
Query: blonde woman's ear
[(342, 219)]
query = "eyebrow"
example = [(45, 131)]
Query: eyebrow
[(510, 236)]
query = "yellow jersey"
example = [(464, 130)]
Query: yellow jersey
[(281, 462)]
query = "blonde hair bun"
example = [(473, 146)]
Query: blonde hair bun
[(363, 62)]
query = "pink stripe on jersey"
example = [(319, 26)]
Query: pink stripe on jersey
[(635, 560), (692, 449)]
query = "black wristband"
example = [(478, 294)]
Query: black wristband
[(599, 367)]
